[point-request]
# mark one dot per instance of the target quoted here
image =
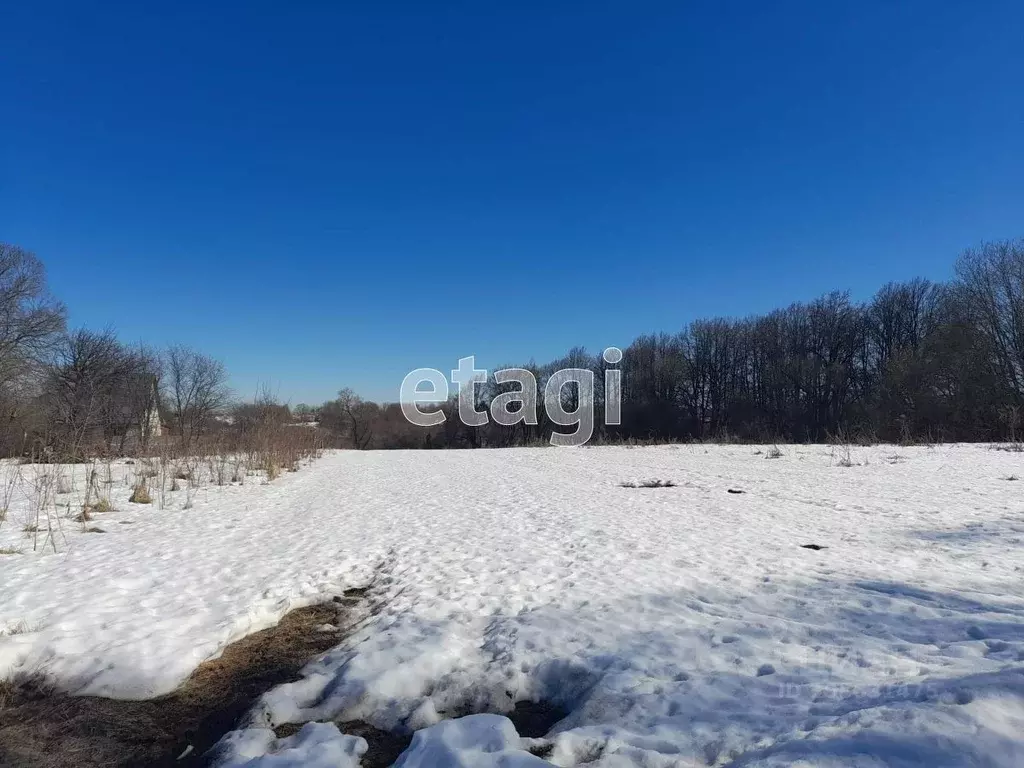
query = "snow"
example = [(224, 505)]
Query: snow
[(316, 745), (676, 626), (474, 741)]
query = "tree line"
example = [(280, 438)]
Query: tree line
[(70, 394), (919, 361)]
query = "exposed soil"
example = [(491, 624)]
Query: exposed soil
[(42, 728), (531, 719), (45, 729)]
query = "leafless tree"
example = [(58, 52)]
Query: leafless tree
[(196, 391), (991, 285), (31, 322), (133, 406), (80, 385), (351, 417)]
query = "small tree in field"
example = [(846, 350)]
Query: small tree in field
[(196, 391)]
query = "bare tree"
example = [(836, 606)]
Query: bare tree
[(196, 391), (30, 319), (351, 417), (133, 406), (991, 286), (31, 322), (79, 387)]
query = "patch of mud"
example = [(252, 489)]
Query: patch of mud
[(40, 728)]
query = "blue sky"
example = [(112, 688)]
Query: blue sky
[(329, 194)]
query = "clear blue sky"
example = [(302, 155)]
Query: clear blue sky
[(329, 194)]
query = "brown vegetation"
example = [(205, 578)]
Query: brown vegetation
[(41, 728)]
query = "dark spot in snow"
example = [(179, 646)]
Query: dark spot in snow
[(959, 696), (351, 595), (815, 547), (533, 719), (735, 490), (976, 633), (542, 750), (765, 669)]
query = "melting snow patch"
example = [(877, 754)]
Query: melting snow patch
[(475, 741), (316, 745)]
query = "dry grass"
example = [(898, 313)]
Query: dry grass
[(141, 495), (1008, 447), (41, 728), (21, 628), (101, 506), (649, 484)]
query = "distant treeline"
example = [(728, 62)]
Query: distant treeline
[(919, 362)]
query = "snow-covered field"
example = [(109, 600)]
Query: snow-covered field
[(677, 626)]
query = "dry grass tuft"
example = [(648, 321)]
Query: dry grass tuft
[(141, 495), (649, 484), (101, 506)]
